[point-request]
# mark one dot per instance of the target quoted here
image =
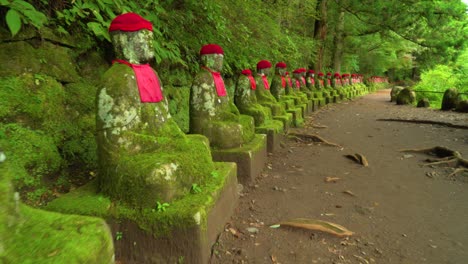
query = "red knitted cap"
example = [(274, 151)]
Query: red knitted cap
[(130, 22), (336, 74), (328, 73), (311, 71), (263, 64), (302, 70), (280, 65), (320, 74), (345, 75), (247, 72), (211, 49), (297, 71)]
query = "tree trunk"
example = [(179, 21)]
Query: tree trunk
[(338, 42), (320, 33)]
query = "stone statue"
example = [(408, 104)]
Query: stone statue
[(143, 156), (246, 100), (211, 112), (264, 96)]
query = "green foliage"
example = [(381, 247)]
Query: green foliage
[(195, 188), (21, 12), (118, 235), (438, 79), (161, 207)]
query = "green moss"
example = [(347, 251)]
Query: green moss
[(48, 59), (47, 237), (84, 201), (275, 125), (185, 212), (248, 131), (178, 100), (32, 154)]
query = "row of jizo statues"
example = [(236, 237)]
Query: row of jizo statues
[(134, 124)]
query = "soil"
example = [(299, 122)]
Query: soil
[(400, 211)]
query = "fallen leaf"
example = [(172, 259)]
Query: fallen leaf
[(319, 225), (233, 232), (273, 259), (53, 253), (348, 192), (331, 179)]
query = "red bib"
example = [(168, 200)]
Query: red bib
[(265, 82), (218, 81), (283, 82), (147, 82)]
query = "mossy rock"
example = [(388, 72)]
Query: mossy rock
[(406, 96), (394, 93), (423, 102), (34, 158), (47, 59), (450, 99), (30, 235), (462, 106)]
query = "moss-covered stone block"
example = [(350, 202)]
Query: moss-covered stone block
[(184, 230), (29, 235), (394, 93), (274, 131), (462, 106), (424, 103), (250, 158), (406, 96), (47, 58)]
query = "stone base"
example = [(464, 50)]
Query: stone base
[(298, 120), (182, 233), (274, 137), (287, 120), (250, 158), (191, 244)]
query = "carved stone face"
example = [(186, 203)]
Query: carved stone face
[(135, 47), (280, 71), (213, 61), (265, 71)]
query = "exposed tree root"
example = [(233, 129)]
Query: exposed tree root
[(424, 122), (445, 156), (358, 158), (313, 138)]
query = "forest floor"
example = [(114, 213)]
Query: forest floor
[(399, 210)]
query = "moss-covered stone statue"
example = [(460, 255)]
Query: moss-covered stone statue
[(246, 102), (450, 99), (29, 235), (300, 86), (231, 134), (143, 155), (211, 112), (423, 103), (278, 88), (264, 96), (310, 80)]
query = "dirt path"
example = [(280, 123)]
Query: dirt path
[(401, 212)]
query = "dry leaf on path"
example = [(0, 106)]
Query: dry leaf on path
[(358, 158), (318, 225), (349, 193), (331, 179)]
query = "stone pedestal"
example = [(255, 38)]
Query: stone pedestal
[(250, 158), (182, 233)]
